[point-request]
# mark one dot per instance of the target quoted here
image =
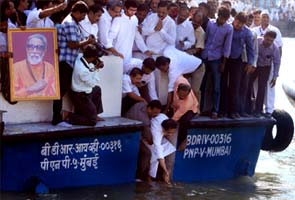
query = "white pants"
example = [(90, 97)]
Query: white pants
[(269, 98), (168, 149)]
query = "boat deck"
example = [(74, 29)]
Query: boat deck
[(203, 121), (45, 129), (115, 125)]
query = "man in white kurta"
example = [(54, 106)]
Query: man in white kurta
[(161, 147), (124, 32), (159, 30), (260, 31), (147, 78), (104, 24), (39, 17), (128, 86), (185, 37)]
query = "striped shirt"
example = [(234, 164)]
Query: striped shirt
[(68, 31)]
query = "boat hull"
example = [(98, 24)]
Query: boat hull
[(79, 160), (215, 152)]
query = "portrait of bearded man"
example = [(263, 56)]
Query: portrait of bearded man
[(33, 76)]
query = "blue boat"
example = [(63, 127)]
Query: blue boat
[(69, 157), (36, 156), (220, 149)]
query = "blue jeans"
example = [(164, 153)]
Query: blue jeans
[(213, 67)]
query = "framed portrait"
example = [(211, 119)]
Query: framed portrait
[(34, 73)]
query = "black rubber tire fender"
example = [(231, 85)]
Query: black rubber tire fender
[(285, 132)]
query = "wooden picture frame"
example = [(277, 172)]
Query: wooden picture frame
[(34, 71)]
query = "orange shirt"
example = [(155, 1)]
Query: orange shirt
[(181, 106), (24, 78)]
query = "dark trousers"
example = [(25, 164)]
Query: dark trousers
[(143, 161), (183, 125), (5, 80), (230, 83), (144, 92), (244, 105), (87, 106), (65, 79), (213, 73), (262, 74), (127, 103)]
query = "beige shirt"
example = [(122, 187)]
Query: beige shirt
[(200, 38)]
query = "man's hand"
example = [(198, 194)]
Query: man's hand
[(159, 25), (115, 52), (249, 69), (99, 64), (91, 39), (148, 53), (139, 29), (166, 110), (23, 28), (61, 6), (181, 44), (273, 82), (37, 87), (6, 54), (119, 54), (144, 101), (221, 67), (191, 51), (9, 54), (166, 177)]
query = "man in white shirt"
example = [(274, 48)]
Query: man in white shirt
[(159, 29), (257, 18), (161, 128), (141, 15), (114, 8), (154, 5), (196, 50), (174, 70), (185, 37), (144, 113), (39, 17), (265, 26), (130, 92), (148, 83), (124, 26), (89, 23), (86, 91)]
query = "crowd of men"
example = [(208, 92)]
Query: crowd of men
[(225, 65)]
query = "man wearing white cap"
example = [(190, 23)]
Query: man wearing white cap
[(260, 31)]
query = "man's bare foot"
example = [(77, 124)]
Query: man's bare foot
[(99, 119), (66, 115), (149, 179)]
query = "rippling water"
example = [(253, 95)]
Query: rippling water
[(274, 178)]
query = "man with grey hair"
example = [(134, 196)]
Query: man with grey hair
[(261, 31), (114, 8), (33, 76)]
